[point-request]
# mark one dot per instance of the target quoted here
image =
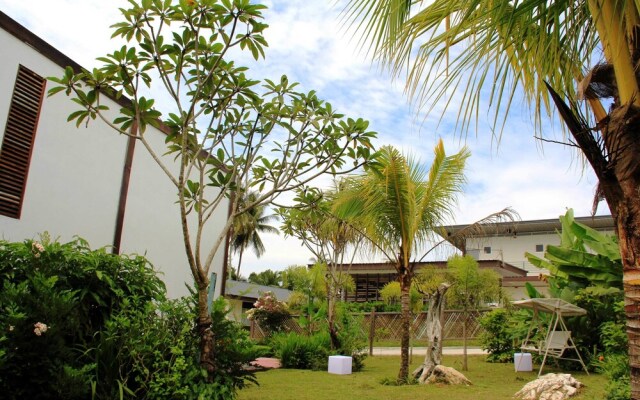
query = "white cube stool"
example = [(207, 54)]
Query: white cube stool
[(340, 365), (522, 362)]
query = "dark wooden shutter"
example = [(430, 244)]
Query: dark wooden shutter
[(17, 144)]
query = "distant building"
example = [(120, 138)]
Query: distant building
[(241, 296), (369, 278), (509, 241), (89, 182), (501, 247)]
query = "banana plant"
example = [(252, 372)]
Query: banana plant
[(585, 257)]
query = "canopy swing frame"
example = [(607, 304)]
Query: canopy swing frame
[(556, 342)]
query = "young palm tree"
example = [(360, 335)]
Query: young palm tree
[(541, 48), (247, 228), (398, 206)]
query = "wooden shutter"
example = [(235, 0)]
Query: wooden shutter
[(17, 144)]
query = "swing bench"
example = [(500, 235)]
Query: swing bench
[(558, 338)]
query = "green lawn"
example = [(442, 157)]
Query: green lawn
[(490, 382)]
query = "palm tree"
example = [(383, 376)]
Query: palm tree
[(398, 207), (248, 226), (541, 48)]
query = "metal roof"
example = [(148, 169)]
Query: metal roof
[(599, 222), (248, 290)]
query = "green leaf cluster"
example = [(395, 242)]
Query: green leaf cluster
[(584, 257)]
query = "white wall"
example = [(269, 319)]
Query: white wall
[(74, 180), (73, 187), (511, 249), (152, 220)]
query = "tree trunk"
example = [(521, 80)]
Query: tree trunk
[(620, 183), (331, 316), (465, 316), (239, 262), (405, 327), (434, 334), (207, 355), (618, 171), (628, 225)]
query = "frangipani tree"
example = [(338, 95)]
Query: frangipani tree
[(223, 128), (398, 204), (329, 239), (544, 49)]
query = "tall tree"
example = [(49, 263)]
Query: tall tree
[(248, 226), (267, 277), (541, 48), (471, 287), (399, 205), (223, 128), (328, 238)]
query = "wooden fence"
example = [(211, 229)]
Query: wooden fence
[(386, 325)]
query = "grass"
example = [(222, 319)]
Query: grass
[(490, 382)]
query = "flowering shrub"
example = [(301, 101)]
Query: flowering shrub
[(40, 328), (54, 298), (269, 313)]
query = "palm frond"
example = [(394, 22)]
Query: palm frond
[(496, 47)]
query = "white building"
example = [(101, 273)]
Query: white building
[(89, 182), (509, 241)]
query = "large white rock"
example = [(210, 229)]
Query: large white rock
[(447, 375), (550, 387)]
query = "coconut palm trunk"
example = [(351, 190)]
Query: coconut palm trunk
[(614, 161), (405, 327), (628, 218)]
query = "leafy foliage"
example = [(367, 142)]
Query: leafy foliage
[(269, 312), (55, 297), (390, 294), (267, 278), (301, 351), (496, 337), (227, 133), (584, 257), (80, 323)]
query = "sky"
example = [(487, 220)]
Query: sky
[(308, 43)]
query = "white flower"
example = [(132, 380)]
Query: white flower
[(40, 328)]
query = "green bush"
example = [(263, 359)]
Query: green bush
[(353, 340), (77, 323), (54, 299), (616, 369), (496, 337), (301, 352), (269, 313)]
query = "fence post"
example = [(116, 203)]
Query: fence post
[(372, 330)]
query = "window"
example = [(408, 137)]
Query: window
[(487, 250), (17, 144), (539, 248)]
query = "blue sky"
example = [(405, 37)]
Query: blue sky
[(306, 43)]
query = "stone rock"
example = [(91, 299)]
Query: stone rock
[(550, 387), (447, 375)]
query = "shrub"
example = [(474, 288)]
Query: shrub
[(269, 313), (616, 368), (496, 337), (302, 352), (77, 323), (54, 299), (352, 338)]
